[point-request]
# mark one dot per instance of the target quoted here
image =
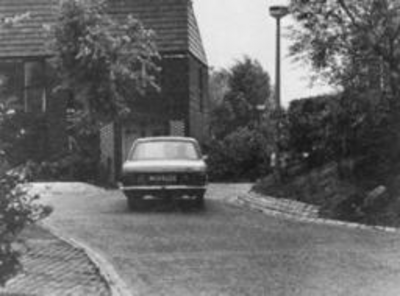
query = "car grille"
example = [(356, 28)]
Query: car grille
[(165, 179)]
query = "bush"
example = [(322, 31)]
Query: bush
[(23, 137), (242, 155), (18, 208), (349, 125)]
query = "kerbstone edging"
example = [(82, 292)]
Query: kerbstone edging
[(299, 211), (285, 206), (117, 286)]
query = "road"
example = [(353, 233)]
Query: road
[(226, 249)]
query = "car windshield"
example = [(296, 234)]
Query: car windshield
[(164, 150)]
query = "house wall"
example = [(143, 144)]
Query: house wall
[(198, 100), (134, 129), (158, 113), (180, 109), (185, 87), (174, 86)]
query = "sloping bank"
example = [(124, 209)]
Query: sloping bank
[(334, 192)]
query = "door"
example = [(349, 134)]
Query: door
[(132, 131)]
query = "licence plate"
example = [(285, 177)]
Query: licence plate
[(163, 178)]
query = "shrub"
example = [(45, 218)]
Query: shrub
[(18, 208), (242, 155), (23, 137), (331, 128)]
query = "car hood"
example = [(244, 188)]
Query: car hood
[(164, 166)]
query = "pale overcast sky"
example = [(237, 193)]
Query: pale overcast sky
[(233, 28)]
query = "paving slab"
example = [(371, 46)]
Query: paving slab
[(51, 266)]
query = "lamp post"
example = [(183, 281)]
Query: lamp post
[(278, 12)]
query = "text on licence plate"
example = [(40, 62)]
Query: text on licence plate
[(163, 178)]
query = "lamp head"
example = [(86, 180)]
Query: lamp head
[(278, 11)]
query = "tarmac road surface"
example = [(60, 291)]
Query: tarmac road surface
[(225, 249)]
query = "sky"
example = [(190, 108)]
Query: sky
[(231, 29)]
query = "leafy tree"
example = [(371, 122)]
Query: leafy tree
[(242, 134), (248, 85), (104, 64), (250, 80), (218, 85), (354, 45), (341, 38)]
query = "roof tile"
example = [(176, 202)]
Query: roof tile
[(173, 21)]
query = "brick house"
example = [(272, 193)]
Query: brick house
[(180, 108), (25, 75)]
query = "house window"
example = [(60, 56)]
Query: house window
[(34, 86)]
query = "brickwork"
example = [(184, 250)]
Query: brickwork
[(107, 147), (198, 100), (177, 128), (297, 211), (53, 267)]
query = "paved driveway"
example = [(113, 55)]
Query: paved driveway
[(226, 249)]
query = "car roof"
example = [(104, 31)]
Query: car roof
[(166, 138)]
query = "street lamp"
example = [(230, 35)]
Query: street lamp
[(278, 12)]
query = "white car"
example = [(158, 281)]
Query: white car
[(166, 168)]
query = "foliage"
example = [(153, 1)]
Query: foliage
[(348, 125), (22, 137), (218, 86), (242, 134), (358, 133), (13, 20), (340, 38), (249, 79), (103, 65), (248, 85), (18, 208), (101, 62), (242, 155)]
